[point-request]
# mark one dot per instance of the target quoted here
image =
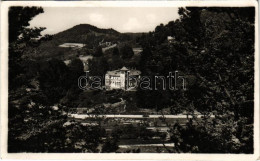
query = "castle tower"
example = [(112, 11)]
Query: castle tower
[(123, 73)]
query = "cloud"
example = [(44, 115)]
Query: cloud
[(129, 19), (151, 18), (132, 24), (96, 18)]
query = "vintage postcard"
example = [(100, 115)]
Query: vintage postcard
[(159, 80)]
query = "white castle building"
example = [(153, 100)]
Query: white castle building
[(125, 79)]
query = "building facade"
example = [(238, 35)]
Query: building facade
[(125, 79)]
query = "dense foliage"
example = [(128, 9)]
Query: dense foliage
[(38, 91), (214, 49)]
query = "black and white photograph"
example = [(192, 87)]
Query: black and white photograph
[(159, 80)]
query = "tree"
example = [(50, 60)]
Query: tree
[(36, 120), (54, 80), (98, 52), (222, 37), (116, 63), (146, 56), (127, 52), (76, 67), (20, 38), (216, 45), (18, 18), (115, 51), (98, 66)]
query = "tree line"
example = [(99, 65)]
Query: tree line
[(214, 48)]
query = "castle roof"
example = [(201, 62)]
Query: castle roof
[(114, 73), (117, 72), (124, 69), (134, 72)]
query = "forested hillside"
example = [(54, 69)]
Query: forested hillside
[(214, 48), (88, 35)]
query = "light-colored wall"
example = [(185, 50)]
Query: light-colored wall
[(114, 82), (123, 77)]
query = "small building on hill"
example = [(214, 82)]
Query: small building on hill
[(170, 39), (72, 45), (137, 50)]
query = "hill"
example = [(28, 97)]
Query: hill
[(88, 35), (83, 33)]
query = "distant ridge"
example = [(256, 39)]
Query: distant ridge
[(79, 33), (83, 33), (88, 27)]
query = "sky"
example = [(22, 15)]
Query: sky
[(122, 19)]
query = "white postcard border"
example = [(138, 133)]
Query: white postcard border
[(119, 156)]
